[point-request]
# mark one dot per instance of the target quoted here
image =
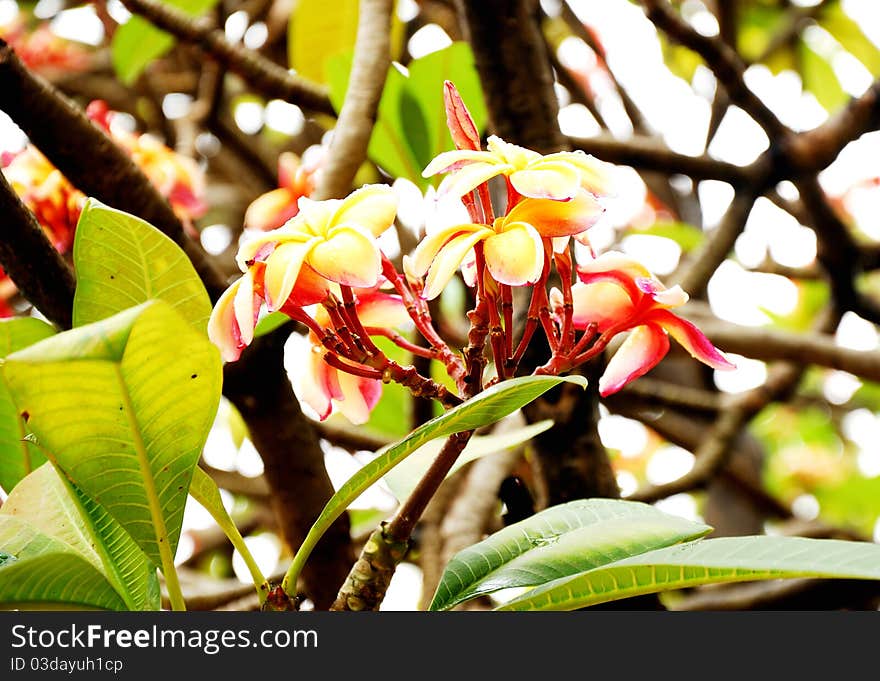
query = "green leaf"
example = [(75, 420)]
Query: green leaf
[(411, 124), (820, 79), (122, 261), (38, 571), (18, 457), (558, 542), (404, 477), (137, 42), (269, 323), (851, 36), (489, 406), (424, 88), (314, 34), (123, 407), (205, 491), (56, 509), (712, 561)]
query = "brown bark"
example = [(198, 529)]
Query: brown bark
[(293, 460)]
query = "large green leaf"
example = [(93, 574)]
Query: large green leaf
[(560, 541), (314, 34), (38, 571), (122, 261), (489, 406), (403, 478), (411, 123), (712, 561), (123, 407), (18, 457), (137, 42), (424, 92), (54, 508)]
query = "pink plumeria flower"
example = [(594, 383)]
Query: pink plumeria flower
[(178, 178), (513, 246), (53, 200), (328, 390), (617, 293), (557, 176), (296, 179), (328, 243)]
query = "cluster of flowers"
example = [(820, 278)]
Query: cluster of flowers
[(57, 204), (43, 51), (324, 268)]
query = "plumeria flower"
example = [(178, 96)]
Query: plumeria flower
[(327, 243), (43, 51), (326, 389), (513, 246), (558, 176), (178, 178), (617, 294), (53, 200), (296, 178)]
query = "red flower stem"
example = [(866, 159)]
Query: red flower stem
[(507, 313), (417, 384), (475, 359), (401, 342), (564, 268), (364, 372), (356, 351), (418, 312), (350, 309), (543, 303), (581, 345), (496, 335)]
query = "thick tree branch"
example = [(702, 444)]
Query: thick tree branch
[(372, 58), (262, 75), (89, 158), (33, 264)]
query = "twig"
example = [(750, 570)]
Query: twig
[(372, 58), (725, 63), (29, 258), (261, 74), (645, 154), (695, 272)]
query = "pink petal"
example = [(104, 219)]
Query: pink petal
[(448, 260), (430, 246), (271, 210), (382, 309), (349, 256), (558, 218), (282, 270), (247, 308), (516, 255), (288, 164), (640, 352), (544, 180), (594, 174), (316, 382), (372, 207), (359, 396), (443, 162), (692, 339), (603, 303), (469, 177), (223, 327)]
